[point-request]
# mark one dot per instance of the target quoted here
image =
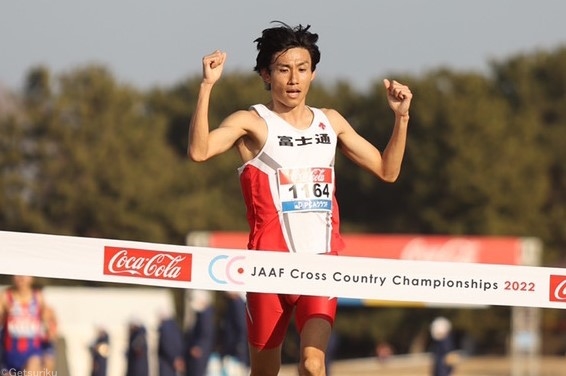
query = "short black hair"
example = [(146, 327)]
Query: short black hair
[(278, 39)]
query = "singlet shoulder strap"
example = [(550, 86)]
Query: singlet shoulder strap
[(319, 114), (316, 111), (263, 111)]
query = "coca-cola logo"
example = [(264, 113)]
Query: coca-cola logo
[(305, 175), (455, 250), (143, 263), (320, 174), (558, 288)]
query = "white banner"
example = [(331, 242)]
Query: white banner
[(120, 261)]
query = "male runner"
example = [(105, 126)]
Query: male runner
[(21, 311), (287, 179)]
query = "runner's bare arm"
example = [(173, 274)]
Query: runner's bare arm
[(203, 143), (386, 166)]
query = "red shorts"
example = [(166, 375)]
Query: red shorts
[(268, 315)]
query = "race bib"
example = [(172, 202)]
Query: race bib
[(23, 327), (305, 189)]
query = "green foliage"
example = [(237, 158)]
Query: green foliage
[(535, 88)]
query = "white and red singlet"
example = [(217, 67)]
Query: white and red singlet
[(289, 192)]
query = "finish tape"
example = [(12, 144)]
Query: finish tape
[(223, 269)]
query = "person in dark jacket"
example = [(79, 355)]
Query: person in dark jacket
[(234, 349), (199, 339), (443, 347), (234, 336), (137, 357), (170, 347), (99, 351)]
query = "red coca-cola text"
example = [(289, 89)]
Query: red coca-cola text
[(143, 263)]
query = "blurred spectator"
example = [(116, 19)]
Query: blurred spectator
[(137, 356), (170, 347), (199, 339), (234, 344), (383, 351), (99, 351), (21, 313), (444, 352), (49, 338)]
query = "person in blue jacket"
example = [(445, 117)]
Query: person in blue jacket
[(443, 347), (234, 335), (200, 338), (137, 356), (99, 351), (170, 347)]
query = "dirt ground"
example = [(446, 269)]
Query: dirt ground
[(420, 366)]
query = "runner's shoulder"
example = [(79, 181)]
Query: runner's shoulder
[(330, 112), (244, 118), (336, 119)]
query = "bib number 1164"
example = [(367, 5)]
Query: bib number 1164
[(306, 189)]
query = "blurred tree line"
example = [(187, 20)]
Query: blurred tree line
[(83, 154)]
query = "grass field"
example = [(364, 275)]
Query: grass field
[(420, 365)]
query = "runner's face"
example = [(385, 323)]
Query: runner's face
[(290, 76), (23, 281)]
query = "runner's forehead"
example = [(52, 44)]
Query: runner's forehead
[(292, 57)]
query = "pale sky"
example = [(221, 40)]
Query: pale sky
[(148, 43)]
